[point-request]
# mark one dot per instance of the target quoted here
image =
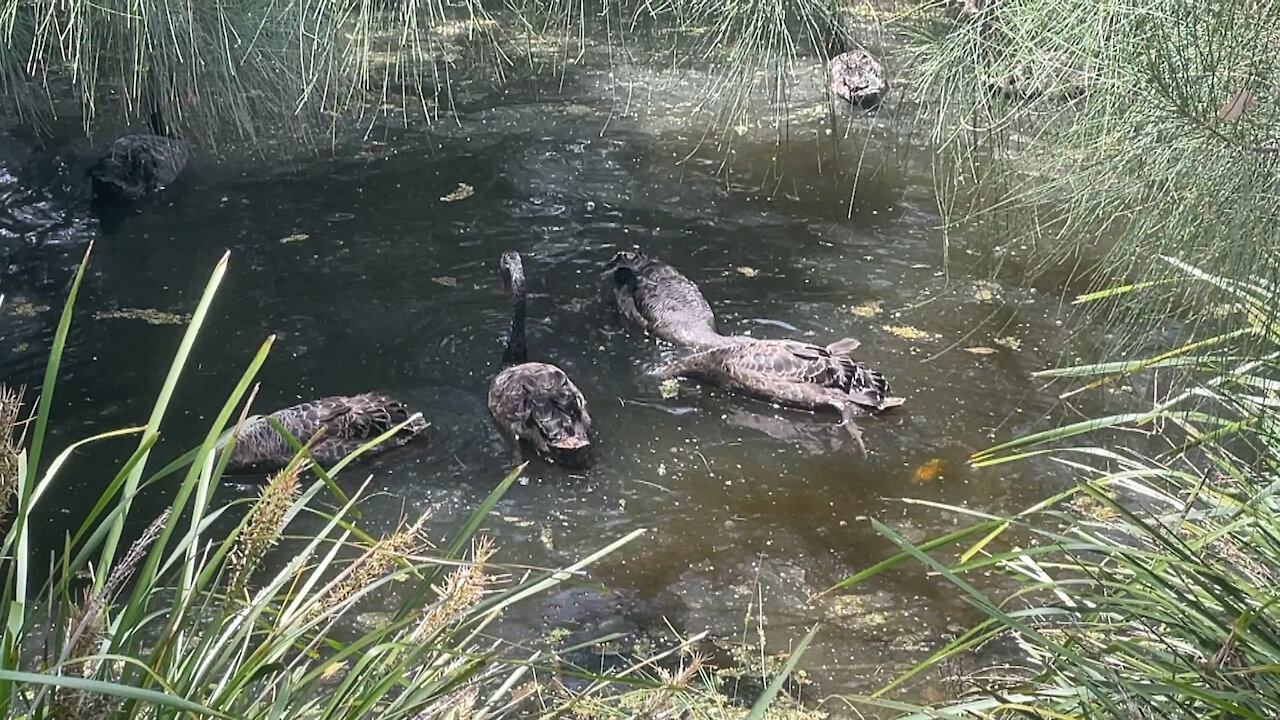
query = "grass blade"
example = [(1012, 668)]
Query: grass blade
[(761, 705)]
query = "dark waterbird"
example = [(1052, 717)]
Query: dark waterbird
[(662, 302), (794, 374), (348, 422), (140, 164), (858, 79), (533, 402)]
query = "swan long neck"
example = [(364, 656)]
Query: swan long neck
[(517, 345), (156, 120)]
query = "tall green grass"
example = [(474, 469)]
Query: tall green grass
[(236, 71), (241, 609), (239, 71), (1151, 589), (1168, 148)]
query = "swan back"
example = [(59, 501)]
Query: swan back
[(792, 373), (658, 299), (347, 421), (858, 78), (537, 403), (137, 165)]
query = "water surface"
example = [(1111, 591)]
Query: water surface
[(370, 281)]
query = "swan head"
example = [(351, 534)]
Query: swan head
[(512, 272), (572, 451)]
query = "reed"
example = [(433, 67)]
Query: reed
[(192, 619), (1149, 590)]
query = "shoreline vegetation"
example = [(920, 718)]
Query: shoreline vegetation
[(1102, 135), (186, 619), (1148, 589)]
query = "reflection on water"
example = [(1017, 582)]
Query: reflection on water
[(371, 281)]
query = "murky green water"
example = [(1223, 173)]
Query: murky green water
[(371, 282)]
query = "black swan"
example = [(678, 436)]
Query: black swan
[(348, 422), (793, 374), (537, 402), (664, 303), (138, 165)]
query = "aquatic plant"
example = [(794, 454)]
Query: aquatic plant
[(1100, 135), (194, 615), (238, 71), (1150, 589), (233, 71)]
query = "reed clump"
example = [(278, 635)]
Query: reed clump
[(1162, 605), (254, 623)]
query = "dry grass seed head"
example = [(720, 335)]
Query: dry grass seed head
[(87, 625), (10, 445), (455, 705), (661, 702), (374, 564), (263, 527), (461, 590)]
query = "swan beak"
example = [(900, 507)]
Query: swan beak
[(571, 443)]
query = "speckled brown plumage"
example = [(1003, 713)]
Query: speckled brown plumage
[(662, 302), (793, 374), (858, 78), (539, 404), (348, 422), (536, 402)]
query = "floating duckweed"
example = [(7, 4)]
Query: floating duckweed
[(981, 350), (748, 271), (464, 28), (1010, 342), (906, 332), (1090, 507), (811, 112), (462, 192), (445, 280), (669, 388), (986, 291), (374, 619), (148, 315), (694, 30), (25, 308), (867, 309)]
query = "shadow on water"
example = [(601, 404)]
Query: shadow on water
[(370, 279)]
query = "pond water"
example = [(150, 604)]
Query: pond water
[(371, 281)]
